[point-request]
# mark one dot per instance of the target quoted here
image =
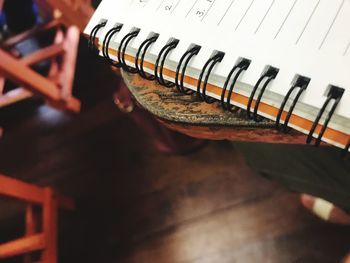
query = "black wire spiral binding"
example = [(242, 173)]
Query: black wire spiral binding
[(106, 42), (185, 60), (122, 49), (269, 74), (241, 66), (335, 93), (164, 52), (140, 61), (91, 41), (210, 64), (93, 34), (300, 83)]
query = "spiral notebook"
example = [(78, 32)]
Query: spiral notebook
[(285, 60)]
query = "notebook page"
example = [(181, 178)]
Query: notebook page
[(267, 51), (102, 12), (115, 15), (296, 36), (132, 14), (305, 26), (248, 25)]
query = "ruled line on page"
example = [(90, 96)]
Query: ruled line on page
[(171, 6), (194, 4), (285, 19), (347, 49), (212, 3), (245, 14), (177, 4), (308, 22), (332, 24), (226, 12), (263, 19), (161, 3)]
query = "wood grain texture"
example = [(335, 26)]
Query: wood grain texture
[(168, 104), (189, 115), (236, 134)]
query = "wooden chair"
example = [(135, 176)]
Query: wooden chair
[(58, 92), (56, 88), (41, 229)]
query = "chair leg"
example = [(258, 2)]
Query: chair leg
[(69, 60), (41, 227), (32, 225), (2, 84), (50, 226)]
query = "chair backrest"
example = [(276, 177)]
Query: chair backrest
[(56, 88), (40, 226)]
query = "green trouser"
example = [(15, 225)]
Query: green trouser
[(320, 171)]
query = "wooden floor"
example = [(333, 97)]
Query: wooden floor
[(137, 205)]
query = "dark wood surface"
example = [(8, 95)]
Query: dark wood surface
[(191, 116), (137, 205), (171, 105)]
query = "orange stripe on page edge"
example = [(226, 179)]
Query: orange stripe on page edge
[(330, 134)]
